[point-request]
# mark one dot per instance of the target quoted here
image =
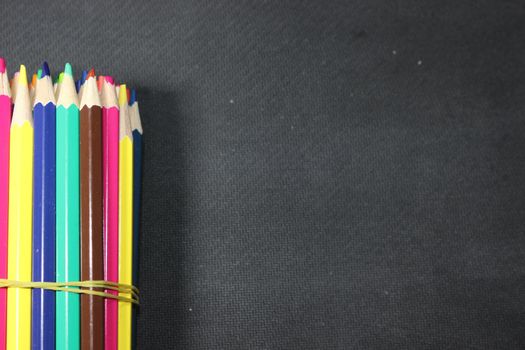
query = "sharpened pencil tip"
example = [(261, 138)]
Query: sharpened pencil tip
[(2, 65), (91, 73), (123, 95), (60, 77), (22, 76), (45, 70), (83, 77), (109, 79), (133, 97), (100, 82), (68, 70), (34, 78)]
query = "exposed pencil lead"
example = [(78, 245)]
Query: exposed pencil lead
[(83, 77), (45, 70), (123, 95), (100, 82), (34, 78), (133, 97), (67, 70), (22, 76), (2, 65)]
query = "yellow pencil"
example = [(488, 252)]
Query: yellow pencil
[(125, 259), (20, 218)]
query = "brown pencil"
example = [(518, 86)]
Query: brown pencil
[(91, 235)]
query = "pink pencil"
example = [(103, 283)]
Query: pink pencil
[(5, 125), (110, 154)]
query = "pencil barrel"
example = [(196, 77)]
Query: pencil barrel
[(67, 226), (125, 238), (5, 125), (44, 205), (92, 264), (20, 233), (110, 145)]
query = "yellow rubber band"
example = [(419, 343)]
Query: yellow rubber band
[(73, 287)]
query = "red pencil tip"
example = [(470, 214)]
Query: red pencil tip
[(128, 93), (110, 80), (91, 74), (100, 82), (2, 65)]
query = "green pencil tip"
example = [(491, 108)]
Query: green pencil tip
[(68, 70), (39, 74), (60, 77)]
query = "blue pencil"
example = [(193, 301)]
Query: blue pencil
[(136, 127), (44, 202), (80, 83)]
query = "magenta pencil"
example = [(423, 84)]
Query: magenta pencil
[(110, 166), (5, 125)]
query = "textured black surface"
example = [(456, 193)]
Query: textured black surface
[(318, 175)]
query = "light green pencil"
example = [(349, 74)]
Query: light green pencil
[(67, 212)]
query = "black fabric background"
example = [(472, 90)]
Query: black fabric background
[(318, 174)]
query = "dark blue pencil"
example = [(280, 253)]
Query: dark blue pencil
[(136, 127), (43, 306)]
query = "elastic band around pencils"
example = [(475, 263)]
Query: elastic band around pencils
[(69, 287)]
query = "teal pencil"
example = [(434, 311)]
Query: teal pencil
[(67, 212)]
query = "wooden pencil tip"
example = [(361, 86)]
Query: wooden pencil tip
[(100, 82), (45, 70), (68, 70), (83, 77), (2, 65), (91, 73), (133, 97), (123, 95), (22, 76)]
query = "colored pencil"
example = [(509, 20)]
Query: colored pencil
[(125, 218), (43, 317), (81, 84), (67, 212), (14, 85), (110, 146), (5, 126), (20, 221), (100, 82), (32, 86), (136, 127), (57, 84), (91, 235)]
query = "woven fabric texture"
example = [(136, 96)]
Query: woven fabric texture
[(317, 174)]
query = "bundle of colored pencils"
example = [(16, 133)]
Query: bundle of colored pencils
[(70, 186)]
